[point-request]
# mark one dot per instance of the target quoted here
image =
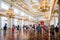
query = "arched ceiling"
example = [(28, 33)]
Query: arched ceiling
[(36, 8)]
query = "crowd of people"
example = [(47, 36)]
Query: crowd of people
[(34, 27)]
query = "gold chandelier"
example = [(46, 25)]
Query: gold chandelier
[(44, 7), (10, 12)]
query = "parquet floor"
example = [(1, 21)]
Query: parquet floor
[(25, 35)]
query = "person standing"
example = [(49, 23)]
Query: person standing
[(56, 29), (39, 29), (5, 27), (13, 28), (33, 27), (18, 27)]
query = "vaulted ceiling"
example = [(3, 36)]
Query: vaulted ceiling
[(38, 8)]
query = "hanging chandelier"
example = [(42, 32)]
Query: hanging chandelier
[(10, 12), (44, 6)]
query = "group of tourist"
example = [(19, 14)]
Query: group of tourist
[(13, 27), (25, 27), (38, 28)]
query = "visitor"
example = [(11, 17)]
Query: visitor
[(18, 27), (52, 30), (38, 28), (33, 27), (5, 27), (56, 29), (13, 28)]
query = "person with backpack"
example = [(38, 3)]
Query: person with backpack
[(38, 28)]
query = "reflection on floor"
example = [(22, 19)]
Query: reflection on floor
[(26, 35)]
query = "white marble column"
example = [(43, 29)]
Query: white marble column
[(23, 22), (0, 22), (26, 22), (59, 15), (0, 4), (22, 27), (10, 22), (20, 22)]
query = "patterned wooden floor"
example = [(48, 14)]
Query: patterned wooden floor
[(25, 35)]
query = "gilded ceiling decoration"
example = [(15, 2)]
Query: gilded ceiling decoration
[(21, 5), (35, 7), (42, 6)]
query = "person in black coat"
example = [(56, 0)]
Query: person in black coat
[(18, 27), (5, 27), (56, 29), (33, 27), (52, 30)]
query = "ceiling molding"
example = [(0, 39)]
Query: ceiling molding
[(28, 10)]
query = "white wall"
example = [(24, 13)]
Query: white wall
[(4, 20)]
